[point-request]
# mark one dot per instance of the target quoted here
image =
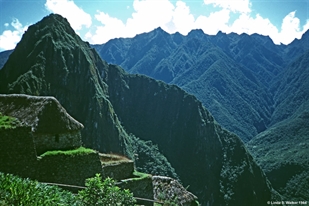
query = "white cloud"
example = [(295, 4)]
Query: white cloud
[(112, 28), (290, 28), (177, 17), (149, 14), (9, 38), (68, 9), (306, 26), (181, 21), (216, 21), (240, 6), (6, 24), (250, 25)]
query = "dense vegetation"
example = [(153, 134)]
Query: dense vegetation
[(18, 191), (148, 158), (282, 151), (102, 193)]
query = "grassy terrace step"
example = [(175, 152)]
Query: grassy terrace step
[(74, 152), (137, 176), (109, 159)]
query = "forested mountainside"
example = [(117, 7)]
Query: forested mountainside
[(52, 60), (232, 75), (253, 87), (282, 150)]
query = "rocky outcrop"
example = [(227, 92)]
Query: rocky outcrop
[(170, 191)]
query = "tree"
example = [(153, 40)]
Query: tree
[(103, 193)]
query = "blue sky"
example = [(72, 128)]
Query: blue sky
[(98, 21)]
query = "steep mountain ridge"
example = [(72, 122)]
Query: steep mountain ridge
[(52, 60)]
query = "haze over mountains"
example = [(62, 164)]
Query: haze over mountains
[(254, 88), (129, 113)]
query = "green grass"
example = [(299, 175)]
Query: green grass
[(7, 122), (74, 152), (137, 176)]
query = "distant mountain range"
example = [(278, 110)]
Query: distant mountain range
[(161, 127), (254, 88)]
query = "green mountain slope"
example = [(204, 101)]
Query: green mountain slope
[(282, 150), (291, 88), (52, 60)]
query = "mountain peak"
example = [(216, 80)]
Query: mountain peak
[(52, 21), (53, 28)]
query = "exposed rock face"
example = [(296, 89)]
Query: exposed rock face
[(52, 60), (169, 190)]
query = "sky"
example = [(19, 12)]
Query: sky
[(98, 21)]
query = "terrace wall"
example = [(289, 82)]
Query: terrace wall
[(68, 169), (17, 152), (65, 141)]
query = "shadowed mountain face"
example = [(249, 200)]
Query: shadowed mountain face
[(52, 60)]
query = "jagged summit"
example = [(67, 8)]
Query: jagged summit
[(58, 26)]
